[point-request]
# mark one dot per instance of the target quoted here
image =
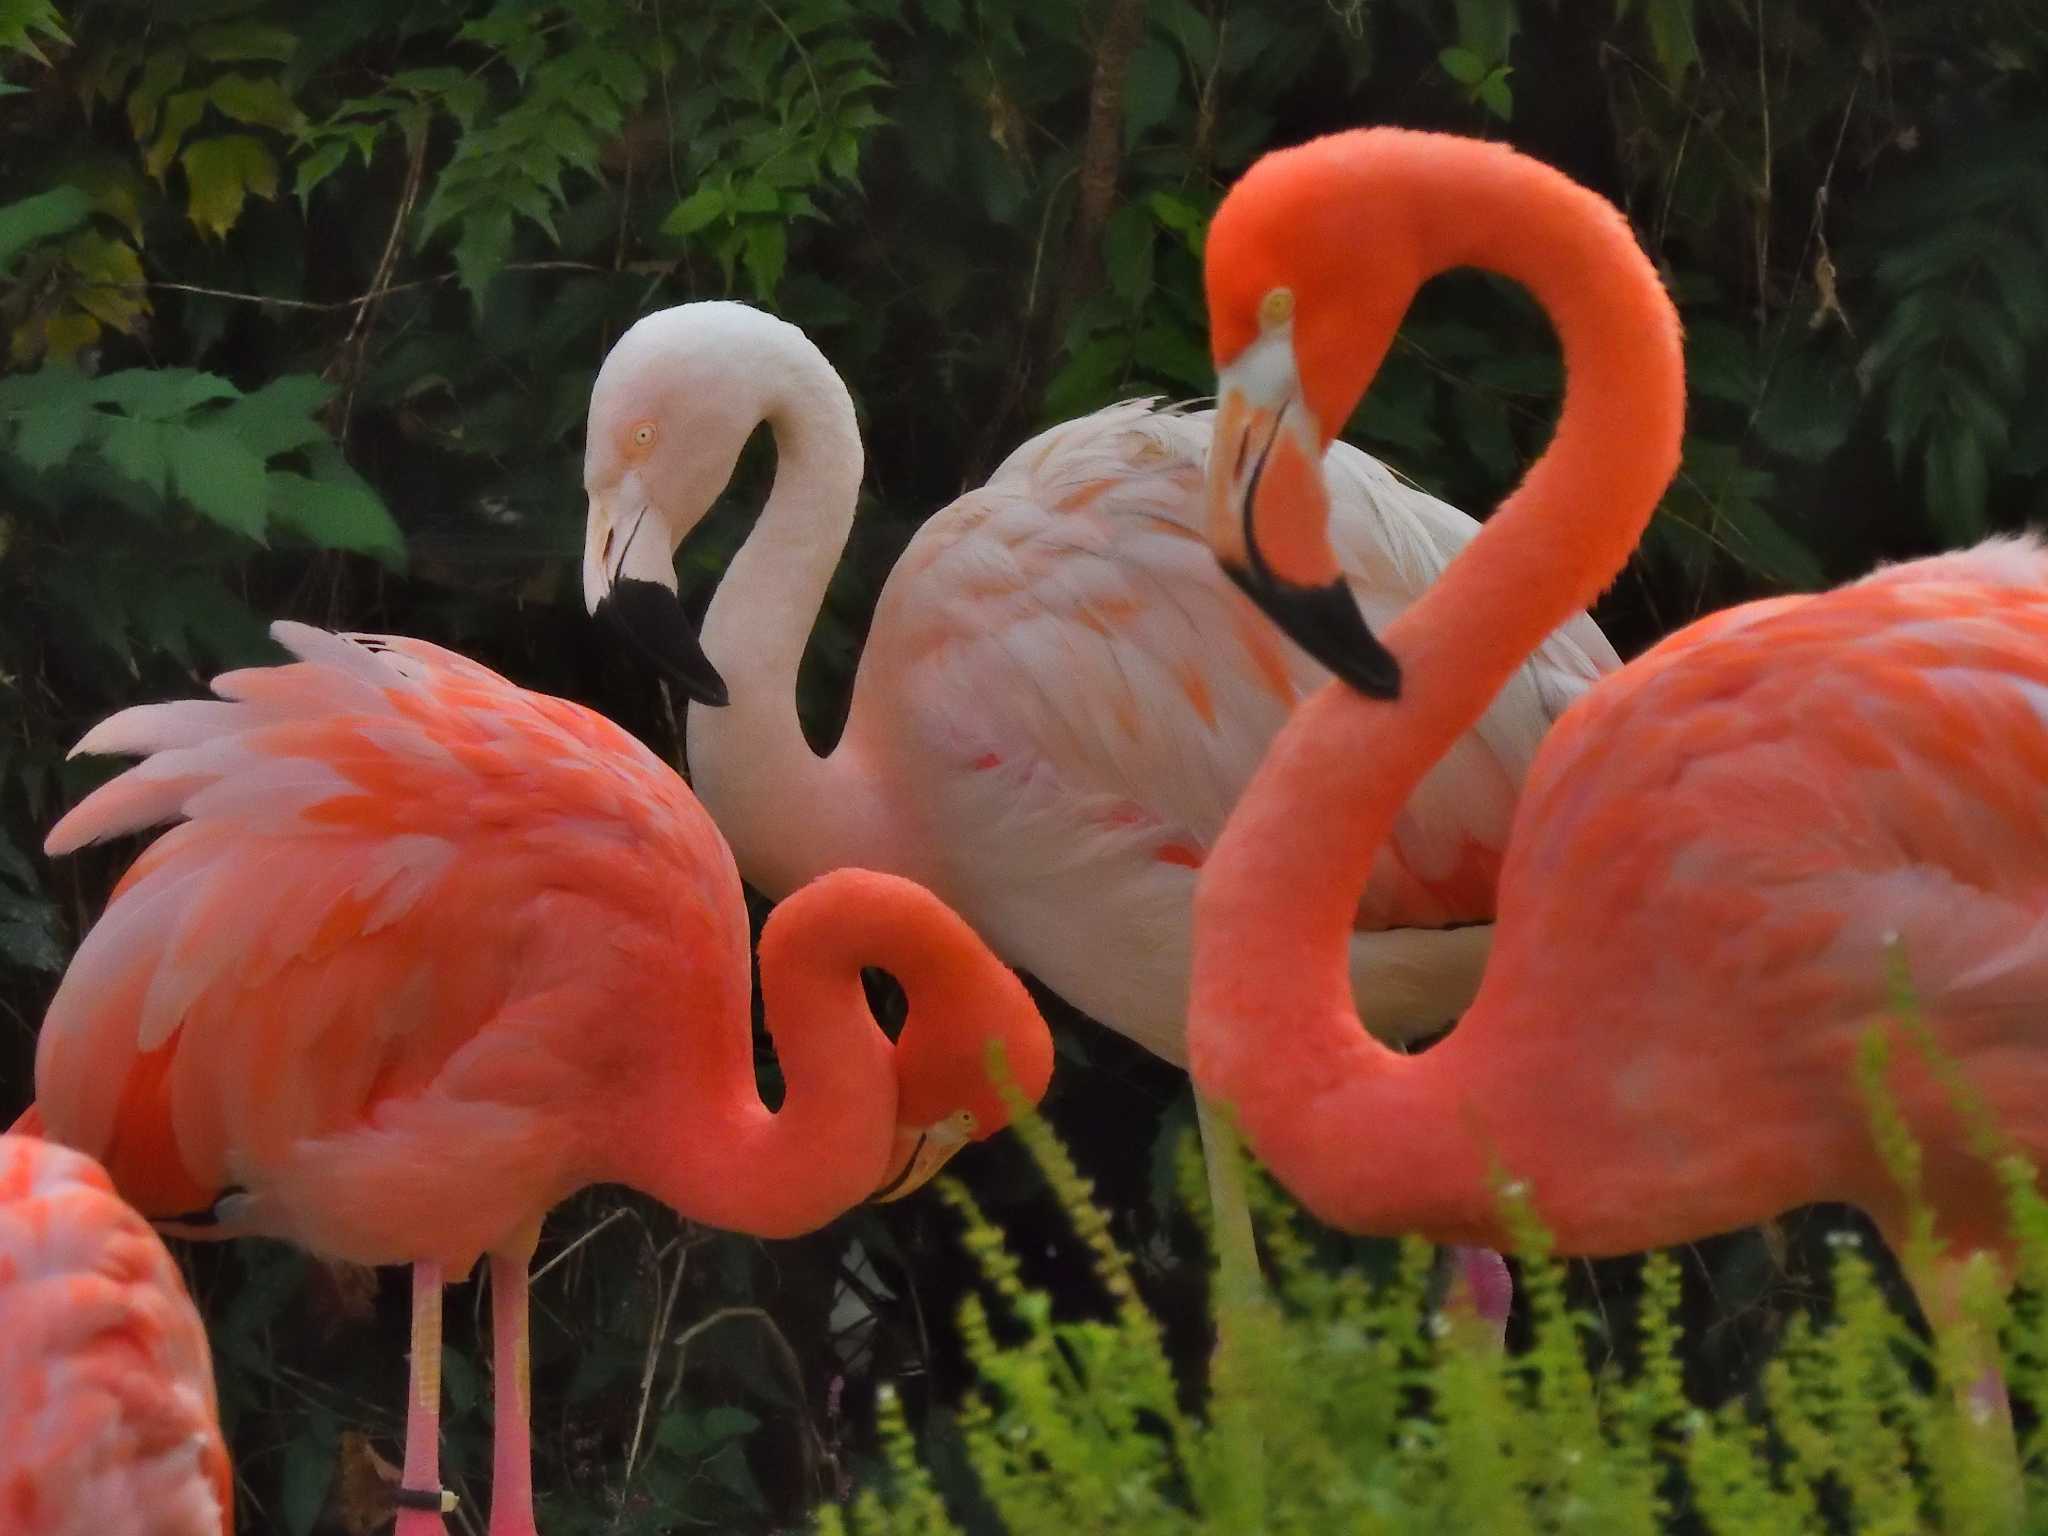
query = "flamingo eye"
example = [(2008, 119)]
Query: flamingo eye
[(643, 435), (1276, 308)]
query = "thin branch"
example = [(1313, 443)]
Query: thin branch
[(356, 345), (667, 1297)]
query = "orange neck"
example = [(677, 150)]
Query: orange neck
[(720, 1156), (1369, 1139)]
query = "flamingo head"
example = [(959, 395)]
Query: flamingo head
[(669, 414), (1309, 266), (963, 1067)]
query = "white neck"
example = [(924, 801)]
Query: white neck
[(788, 813)]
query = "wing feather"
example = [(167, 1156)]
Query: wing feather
[(368, 836), (1139, 688)]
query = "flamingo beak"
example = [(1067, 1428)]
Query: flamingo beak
[(629, 575), (1268, 514), (920, 1152)]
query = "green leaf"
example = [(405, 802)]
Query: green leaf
[(55, 212), (1671, 37), (754, 196), (240, 42), (693, 1434), (21, 19), (706, 203), (767, 251), (317, 167), (1127, 242), (181, 115), (309, 1462), (47, 438), (224, 481), (221, 174), (1463, 66), (1956, 481), (1495, 95), (279, 417), (333, 515), (1150, 89), (161, 394), (139, 450), (481, 249), (260, 100)]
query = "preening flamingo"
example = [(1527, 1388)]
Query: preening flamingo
[(431, 952), (108, 1425), (1060, 697), (1716, 847)]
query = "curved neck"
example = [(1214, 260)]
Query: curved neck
[(712, 1150), (788, 813), (1274, 904)]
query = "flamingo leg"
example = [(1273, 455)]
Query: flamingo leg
[(1978, 1380), (1481, 1294), (1237, 1256), (512, 1392), (422, 1501)]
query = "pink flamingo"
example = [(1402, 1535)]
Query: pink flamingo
[(1060, 697), (1716, 847), (107, 1419), (431, 952)]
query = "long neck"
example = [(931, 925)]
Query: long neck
[(713, 1151), (1373, 1140), (788, 813), (708, 1146)]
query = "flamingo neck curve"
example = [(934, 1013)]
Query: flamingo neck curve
[(719, 1155), (788, 813), (1372, 1140)]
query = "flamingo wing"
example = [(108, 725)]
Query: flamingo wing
[(1139, 688), (108, 1424), (395, 871), (1763, 808)]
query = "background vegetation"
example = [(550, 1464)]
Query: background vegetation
[(300, 306)]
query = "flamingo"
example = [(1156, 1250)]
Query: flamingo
[(1059, 698), (1717, 847), (431, 952), (108, 1425)]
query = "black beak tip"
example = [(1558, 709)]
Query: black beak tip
[(652, 618), (1325, 622)]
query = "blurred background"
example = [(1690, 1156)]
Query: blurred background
[(300, 305)]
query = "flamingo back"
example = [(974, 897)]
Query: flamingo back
[(1139, 688), (108, 1424), (1779, 805), (402, 905)]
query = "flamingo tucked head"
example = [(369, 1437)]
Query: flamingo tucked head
[(669, 414), (1297, 338)]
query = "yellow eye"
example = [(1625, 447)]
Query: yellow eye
[(966, 1121), (1276, 308), (643, 435)]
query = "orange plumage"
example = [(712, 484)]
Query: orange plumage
[(108, 1425), (430, 952)]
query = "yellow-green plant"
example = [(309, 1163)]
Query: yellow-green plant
[(1372, 1412)]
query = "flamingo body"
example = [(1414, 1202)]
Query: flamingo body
[(1068, 701), (108, 1425), (1747, 818), (429, 952), (1722, 850)]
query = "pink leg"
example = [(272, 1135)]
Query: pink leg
[(421, 1501), (512, 1394), (1481, 1293)]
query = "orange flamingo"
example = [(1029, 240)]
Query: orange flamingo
[(431, 952), (1715, 848), (107, 1419)]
